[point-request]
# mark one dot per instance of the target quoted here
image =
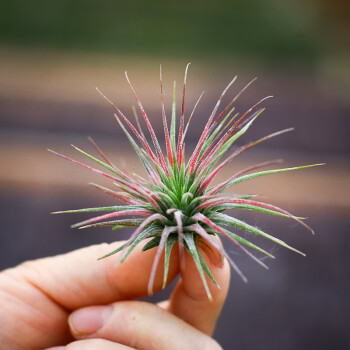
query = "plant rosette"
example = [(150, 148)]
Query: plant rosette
[(177, 201)]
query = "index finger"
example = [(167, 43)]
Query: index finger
[(37, 296), (76, 279)]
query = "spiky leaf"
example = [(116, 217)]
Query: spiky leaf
[(176, 204)]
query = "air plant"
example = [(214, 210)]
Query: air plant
[(177, 202)]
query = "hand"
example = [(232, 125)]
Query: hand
[(37, 298)]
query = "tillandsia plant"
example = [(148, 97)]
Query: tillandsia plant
[(177, 202)]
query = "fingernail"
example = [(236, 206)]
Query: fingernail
[(213, 255), (89, 320)]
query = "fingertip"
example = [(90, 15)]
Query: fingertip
[(220, 271), (190, 301), (215, 258), (218, 266)]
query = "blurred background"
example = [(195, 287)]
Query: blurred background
[(54, 53)]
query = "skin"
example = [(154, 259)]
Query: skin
[(73, 302)]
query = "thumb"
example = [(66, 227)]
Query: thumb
[(189, 301), (77, 279)]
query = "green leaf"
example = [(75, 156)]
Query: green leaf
[(148, 232), (117, 227), (168, 247), (114, 171), (233, 138), (241, 240), (228, 206), (116, 223), (151, 244), (221, 152), (189, 239), (214, 133), (137, 149), (145, 234), (230, 221), (97, 209), (207, 271), (113, 252), (263, 173)]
